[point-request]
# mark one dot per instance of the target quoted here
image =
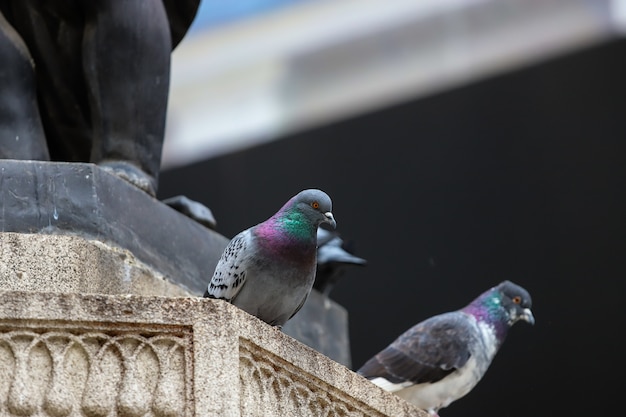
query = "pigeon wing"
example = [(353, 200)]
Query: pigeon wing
[(230, 272), (427, 352)]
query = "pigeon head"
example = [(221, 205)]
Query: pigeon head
[(516, 300), (308, 207), (502, 306), (295, 224)]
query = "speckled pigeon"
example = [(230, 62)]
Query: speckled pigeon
[(442, 358), (268, 269), (332, 260)]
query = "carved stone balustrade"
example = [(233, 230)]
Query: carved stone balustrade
[(98, 355)]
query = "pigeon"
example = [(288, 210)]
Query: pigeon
[(441, 359), (192, 209), (332, 259), (268, 270)]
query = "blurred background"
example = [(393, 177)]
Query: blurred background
[(463, 142)]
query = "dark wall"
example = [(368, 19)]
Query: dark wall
[(519, 177)]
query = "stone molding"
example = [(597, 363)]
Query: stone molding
[(96, 355), (73, 370)]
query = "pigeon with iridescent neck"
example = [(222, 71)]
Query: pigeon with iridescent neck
[(442, 358), (268, 270)]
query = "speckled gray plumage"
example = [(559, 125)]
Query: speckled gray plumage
[(268, 270)]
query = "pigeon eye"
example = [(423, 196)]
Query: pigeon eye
[(315, 205), (517, 299)]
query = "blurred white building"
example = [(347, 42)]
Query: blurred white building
[(254, 70)]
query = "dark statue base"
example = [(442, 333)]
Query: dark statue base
[(83, 199)]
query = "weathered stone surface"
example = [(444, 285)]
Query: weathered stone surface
[(71, 263), (83, 199), (322, 324), (111, 355)]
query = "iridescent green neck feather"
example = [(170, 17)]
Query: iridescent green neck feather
[(289, 233), (296, 224)]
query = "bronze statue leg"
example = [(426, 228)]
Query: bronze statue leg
[(126, 59), (21, 131)]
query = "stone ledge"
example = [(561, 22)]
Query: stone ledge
[(73, 263), (69, 263), (111, 355)]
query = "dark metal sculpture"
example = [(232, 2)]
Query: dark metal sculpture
[(88, 81)]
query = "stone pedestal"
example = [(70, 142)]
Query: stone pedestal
[(81, 199), (126, 355), (75, 242), (74, 227)]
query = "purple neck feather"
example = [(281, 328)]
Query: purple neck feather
[(277, 237), (487, 309)]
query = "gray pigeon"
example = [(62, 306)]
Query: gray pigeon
[(332, 260), (442, 358), (192, 209), (268, 269)]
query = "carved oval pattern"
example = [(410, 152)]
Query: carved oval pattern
[(70, 368), (270, 387), (7, 371), (33, 367), (92, 374)]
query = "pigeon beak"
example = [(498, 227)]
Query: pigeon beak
[(527, 316), (330, 219)]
